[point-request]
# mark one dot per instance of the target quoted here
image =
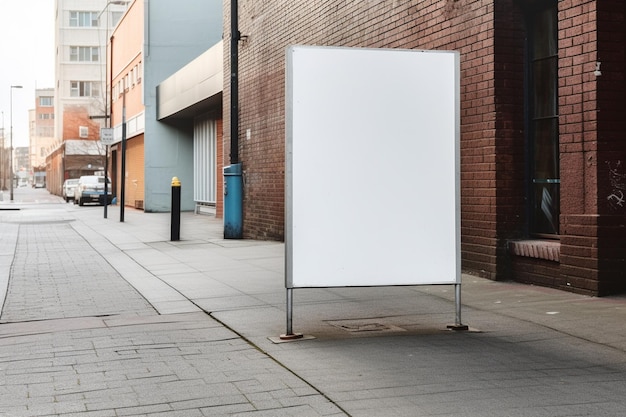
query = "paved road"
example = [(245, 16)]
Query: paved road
[(160, 328)]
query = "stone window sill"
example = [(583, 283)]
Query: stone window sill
[(540, 249)]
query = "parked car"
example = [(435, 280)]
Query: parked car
[(90, 189), (69, 187)]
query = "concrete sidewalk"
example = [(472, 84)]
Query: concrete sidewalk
[(376, 351)]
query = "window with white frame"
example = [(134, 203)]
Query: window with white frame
[(45, 101), (83, 132), (83, 19), (84, 54), (84, 89)]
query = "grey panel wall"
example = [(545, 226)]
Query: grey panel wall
[(174, 35)]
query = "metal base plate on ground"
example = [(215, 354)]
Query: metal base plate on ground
[(296, 337)]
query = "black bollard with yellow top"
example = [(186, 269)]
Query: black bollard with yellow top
[(175, 229)]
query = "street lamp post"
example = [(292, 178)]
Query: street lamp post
[(11, 141), (123, 167)]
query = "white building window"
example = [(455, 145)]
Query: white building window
[(84, 89), (84, 54), (83, 132), (83, 19)]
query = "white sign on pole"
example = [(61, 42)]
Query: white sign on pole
[(106, 136), (372, 167)]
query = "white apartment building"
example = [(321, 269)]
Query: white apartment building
[(82, 28)]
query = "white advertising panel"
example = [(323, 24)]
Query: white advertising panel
[(372, 167)]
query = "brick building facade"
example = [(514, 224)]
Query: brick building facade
[(543, 156), (71, 161)]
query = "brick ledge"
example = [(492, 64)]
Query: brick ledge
[(540, 249)]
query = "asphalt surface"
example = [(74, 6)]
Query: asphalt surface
[(109, 318)]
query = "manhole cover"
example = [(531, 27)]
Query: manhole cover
[(370, 325)]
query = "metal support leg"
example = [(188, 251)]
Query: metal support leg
[(289, 311), (458, 323), (290, 334)]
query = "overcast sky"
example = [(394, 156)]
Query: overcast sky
[(26, 59)]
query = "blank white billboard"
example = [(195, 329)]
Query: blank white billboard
[(372, 167)]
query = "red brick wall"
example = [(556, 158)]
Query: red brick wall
[(219, 204), (54, 171), (593, 152), (537, 271), (270, 27), (611, 137), (490, 37), (75, 116), (492, 143), (578, 143)]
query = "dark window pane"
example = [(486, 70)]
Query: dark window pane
[(544, 89), (544, 41), (546, 209), (545, 150), (542, 122)]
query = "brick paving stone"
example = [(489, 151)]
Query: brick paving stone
[(76, 339), (57, 274), (525, 361), (118, 371)]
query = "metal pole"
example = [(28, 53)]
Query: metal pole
[(457, 299), (106, 183), (290, 335), (234, 82), (11, 141), (175, 210), (107, 121), (11, 147), (110, 102), (289, 311), (123, 168), (458, 323)]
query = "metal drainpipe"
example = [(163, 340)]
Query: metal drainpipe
[(233, 184), (234, 82)]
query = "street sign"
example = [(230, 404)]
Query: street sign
[(106, 136)]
